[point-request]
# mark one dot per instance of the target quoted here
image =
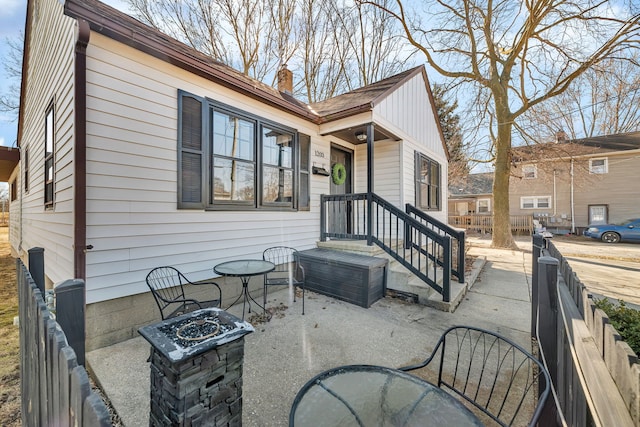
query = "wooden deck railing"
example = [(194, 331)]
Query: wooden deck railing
[(484, 223)]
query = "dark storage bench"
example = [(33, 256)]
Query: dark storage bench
[(357, 279)]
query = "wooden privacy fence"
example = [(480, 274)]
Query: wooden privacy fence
[(484, 223), (55, 387), (595, 375)]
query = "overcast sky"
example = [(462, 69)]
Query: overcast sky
[(12, 19)]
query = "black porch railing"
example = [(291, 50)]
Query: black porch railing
[(457, 238), (421, 248)]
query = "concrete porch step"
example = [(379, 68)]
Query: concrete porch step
[(399, 278)]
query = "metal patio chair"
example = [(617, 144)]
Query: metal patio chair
[(491, 372), (167, 286), (288, 270)]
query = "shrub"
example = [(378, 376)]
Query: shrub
[(626, 321)]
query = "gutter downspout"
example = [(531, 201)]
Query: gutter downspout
[(80, 153), (573, 213)]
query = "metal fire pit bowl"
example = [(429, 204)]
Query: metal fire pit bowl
[(193, 333)]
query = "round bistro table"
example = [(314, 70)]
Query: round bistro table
[(365, 395), (244, 269)]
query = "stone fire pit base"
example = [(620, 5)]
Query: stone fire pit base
[(205, 390)]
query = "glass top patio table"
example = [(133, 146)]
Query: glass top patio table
[(365, 395), (244, 269)]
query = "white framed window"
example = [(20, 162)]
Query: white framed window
[(483, 205), (535, 202), (598, 166), (529, 172)]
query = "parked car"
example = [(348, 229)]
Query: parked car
[(628, 230)]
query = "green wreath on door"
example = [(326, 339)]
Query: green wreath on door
[(338, 174)]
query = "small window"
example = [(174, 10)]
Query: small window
[(535, 202), (25, 165), (427, 179), (529, 171), (598, 166), (483, 206), (49, 146), (13, 188)]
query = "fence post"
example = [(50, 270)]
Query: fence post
[(548, 329), (36, 267), (70, 312), (538, 243)]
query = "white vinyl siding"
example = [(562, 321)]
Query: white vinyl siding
[(386, 166), (49, 78), (132, 216), (408, 113)]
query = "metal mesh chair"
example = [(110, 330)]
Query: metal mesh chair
[(167, 286), (288, 270), (491, 372)]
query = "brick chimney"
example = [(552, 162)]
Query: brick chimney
[(285, 80)]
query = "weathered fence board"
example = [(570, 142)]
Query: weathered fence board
[(55, 389), (594, 373)]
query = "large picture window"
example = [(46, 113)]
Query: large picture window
[(230, 159), (427, 178)]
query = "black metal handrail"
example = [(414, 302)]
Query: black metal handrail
[(457, 238), (413, 244)]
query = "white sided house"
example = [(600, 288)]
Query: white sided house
[(137, 151)]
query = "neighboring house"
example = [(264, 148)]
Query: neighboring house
[(137, 151), (471, 194), (570, 184)]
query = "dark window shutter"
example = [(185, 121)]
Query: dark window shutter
[(303, 185), (190, 152)]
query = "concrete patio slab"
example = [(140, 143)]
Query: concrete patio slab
[(284, 353)]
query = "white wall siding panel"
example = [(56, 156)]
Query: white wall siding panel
[(408, 113), (49, 78), (386, 168), (133, 220)]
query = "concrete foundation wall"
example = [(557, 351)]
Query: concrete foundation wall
[(117, 320)]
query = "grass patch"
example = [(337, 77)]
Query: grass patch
[(626, 321), (9, 337)]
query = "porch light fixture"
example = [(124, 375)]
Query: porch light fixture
[(361, 136)]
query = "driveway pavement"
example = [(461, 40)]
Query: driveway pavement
[(611, 270)]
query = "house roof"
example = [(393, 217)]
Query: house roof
[(362, 99), (617, 142), (591, 146), (474, 184), (125, 29)]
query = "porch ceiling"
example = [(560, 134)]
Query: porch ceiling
[(9, 158), (349, 134)]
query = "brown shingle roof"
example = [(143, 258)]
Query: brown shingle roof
[(578, 147), (472, 184), (361, 99), (119, 26)]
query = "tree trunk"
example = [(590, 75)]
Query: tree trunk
[(501, 236)]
